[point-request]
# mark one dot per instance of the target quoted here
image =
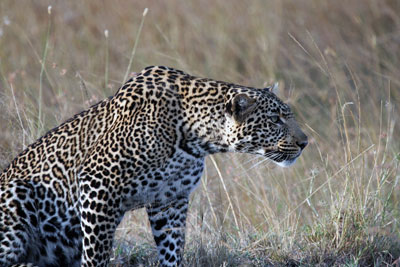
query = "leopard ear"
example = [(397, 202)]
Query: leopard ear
[(240, 107), (273, 89)]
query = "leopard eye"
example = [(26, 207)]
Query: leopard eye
[(275, 119)]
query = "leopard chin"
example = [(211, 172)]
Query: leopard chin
[(286, 163)]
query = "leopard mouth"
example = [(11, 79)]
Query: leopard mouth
[(281, 158)]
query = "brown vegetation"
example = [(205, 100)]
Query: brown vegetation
[(338, 65)]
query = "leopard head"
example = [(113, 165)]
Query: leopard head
[(258, 122)]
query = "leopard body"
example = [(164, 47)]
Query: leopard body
[(63, 197)]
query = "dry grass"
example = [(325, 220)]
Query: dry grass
[(337, 64)]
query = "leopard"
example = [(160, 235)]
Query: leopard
[(63, 197)]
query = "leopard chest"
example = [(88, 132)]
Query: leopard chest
[(177, 177)]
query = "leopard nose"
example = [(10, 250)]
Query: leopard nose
[(302, 144)]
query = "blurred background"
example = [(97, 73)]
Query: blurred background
[(337, 64)]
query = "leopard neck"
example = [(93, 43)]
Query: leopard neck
[(203, 101)]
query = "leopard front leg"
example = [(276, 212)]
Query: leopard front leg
[(168, 225), (100, 215)]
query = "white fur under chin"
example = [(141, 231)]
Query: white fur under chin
[(286, 163)]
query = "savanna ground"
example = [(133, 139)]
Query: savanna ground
[(338, 65)]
